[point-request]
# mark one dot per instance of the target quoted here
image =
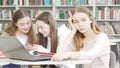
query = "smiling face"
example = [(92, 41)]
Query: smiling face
[(82, 22), (24, 25), (43, 28)]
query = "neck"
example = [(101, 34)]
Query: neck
[(20, 34), (89, 34)]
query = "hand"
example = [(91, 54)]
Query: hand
[(70, 21), (66, 55), (35, 46), (60, 56), (32, 47), (1, 54)]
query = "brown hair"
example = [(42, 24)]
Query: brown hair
[(78, 38), (12, 28), (48, 19)]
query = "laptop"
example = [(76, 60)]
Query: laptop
[(13, 49)]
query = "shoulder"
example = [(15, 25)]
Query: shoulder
[(102, 37), (63, 30), (4, 34)]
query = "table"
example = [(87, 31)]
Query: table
[(114, 40), (24, 63), (115, 47), (4, 61), (20, 62)]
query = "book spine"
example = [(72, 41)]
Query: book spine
[(46, 2)]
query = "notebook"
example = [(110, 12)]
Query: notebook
[(13, 49)]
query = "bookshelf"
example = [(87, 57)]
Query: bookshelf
[(108, 14), (35, 10), (5, 15), (104, 11)]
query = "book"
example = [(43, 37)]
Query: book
[(31, 2), (46, 54), (68, 2), (76, 2), (81, 2), (1, 55), (46, 2), (61, 14), (40, 50), (1, 3), (0, 14), (1, 27), (116, 27), (10, 2), (106, 27), (15, 3)]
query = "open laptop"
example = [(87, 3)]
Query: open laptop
[(12, 48)]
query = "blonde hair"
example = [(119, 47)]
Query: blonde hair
[(78, 38)]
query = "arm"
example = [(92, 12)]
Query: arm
[(69, 38), (100, 47), (67, 41), (4, 34)]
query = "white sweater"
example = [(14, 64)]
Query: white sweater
[(98, 53)]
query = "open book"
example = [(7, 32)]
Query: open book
[(41, 51)]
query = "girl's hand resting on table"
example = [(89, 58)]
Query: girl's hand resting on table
[(60, 56), (65, 55)]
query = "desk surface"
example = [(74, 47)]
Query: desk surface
[(114, 40), (20, 62), (4, 61)]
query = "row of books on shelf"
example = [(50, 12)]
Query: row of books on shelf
[(25, 2), (110, 28), (59, 24), (6, 14), (101, 13), (34, 13), (107, 13), (59, 2), (107, 2), (61, 14), (107, 27), (3, 25), (46, 2), (74, 2)]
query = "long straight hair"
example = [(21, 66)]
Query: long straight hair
[(47, 18), (78, 38), (12, 28)]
